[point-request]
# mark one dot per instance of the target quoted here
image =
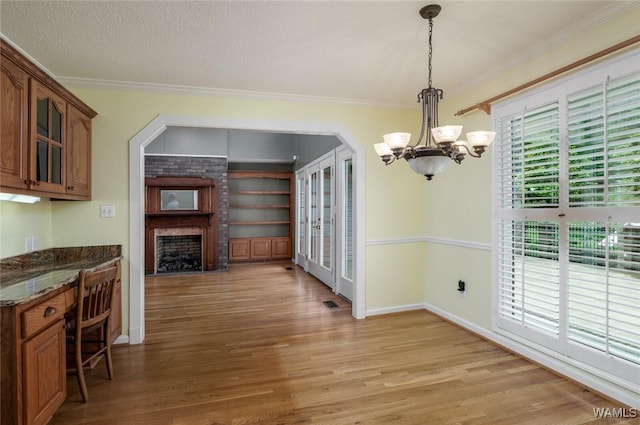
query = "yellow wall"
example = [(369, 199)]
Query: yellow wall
[(458, 203), (19, 221)]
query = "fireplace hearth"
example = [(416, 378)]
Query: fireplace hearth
[(179, 263), (177, 254)]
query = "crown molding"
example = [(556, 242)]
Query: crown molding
[(208, 91)]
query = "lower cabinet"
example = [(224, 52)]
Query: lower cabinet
[(33, 359), (259, 249), (45, 378), (33, 354)]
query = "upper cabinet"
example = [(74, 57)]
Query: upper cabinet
[(45, 133)]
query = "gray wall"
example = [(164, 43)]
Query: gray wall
[(253, 146), (310, 147), (243, 146), (190, 141)]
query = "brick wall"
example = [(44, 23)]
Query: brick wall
[(207, 167)]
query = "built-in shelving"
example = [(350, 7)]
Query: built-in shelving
[(260, 215)]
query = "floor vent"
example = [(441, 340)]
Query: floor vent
[(330, 304)]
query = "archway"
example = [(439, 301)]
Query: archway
[(136, 199)]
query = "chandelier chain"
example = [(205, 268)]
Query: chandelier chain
[(430, 48)]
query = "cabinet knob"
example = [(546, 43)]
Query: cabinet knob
[(70, 188), (50, 311)]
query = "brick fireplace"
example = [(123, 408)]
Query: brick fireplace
[(215, 168), (183, 237)]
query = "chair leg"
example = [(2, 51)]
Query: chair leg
[(80, 371), (107, 340)]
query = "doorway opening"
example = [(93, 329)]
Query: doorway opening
[(136, 198)]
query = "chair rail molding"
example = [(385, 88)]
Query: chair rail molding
[(431, 239)]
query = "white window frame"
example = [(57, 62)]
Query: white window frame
[(625, 374)]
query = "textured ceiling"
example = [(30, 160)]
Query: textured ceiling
[(369, 51)]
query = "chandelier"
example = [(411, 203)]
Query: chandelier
[(441, 144)]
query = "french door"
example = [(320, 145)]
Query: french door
[(301, 219), (344, 223), (325, 220), (320, 226)]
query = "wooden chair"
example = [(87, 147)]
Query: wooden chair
[(89, 328)]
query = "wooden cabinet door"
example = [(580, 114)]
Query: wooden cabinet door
[(239, 249), (14, 131), (281, 248), (48, 139), (45, 380), (78, 166), (261, 249)]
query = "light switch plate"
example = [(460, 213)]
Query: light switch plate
[(107, 211)]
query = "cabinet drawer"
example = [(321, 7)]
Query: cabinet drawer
[(42, 315)]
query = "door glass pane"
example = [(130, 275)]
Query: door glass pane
[(56, 164), (56, 124), (313, 217), (42, 161), (347, 261), (301, 216), (327, 185), (43, 117)]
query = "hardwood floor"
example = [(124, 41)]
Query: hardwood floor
[(257, 346)]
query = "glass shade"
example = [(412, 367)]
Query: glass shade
[(481, 138), (382, 149), (397, 140), (429, 166), (447, 133)]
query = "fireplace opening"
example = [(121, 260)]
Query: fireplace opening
[(178, 253)]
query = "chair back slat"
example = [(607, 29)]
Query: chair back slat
[(95, 291)]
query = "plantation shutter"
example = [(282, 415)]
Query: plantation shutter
[(528, 156), (528, 272), (604, 144), (567, 196), (604, 171), (604, 288)]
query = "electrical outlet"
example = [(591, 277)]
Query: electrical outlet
[(30, 244), (107, 211)]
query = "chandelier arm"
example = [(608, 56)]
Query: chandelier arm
[(423, 102), (433, 119), (466, 148)]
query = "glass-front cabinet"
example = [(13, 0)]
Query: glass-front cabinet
[(45, 133), (48, 139)]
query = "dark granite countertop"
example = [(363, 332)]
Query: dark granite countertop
[(28, 276)]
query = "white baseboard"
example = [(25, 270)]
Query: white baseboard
[(395, 309), (122, 339), (609, 387), (135, 336)]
